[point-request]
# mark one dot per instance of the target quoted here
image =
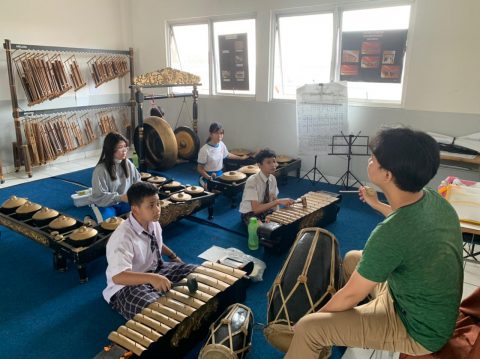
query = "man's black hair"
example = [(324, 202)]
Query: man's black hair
[(411, 156), (138, 191), (265, 153)]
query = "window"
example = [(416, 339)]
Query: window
[(297, 61), (306, 49), (227, 47), (390, 18), (189, 52)]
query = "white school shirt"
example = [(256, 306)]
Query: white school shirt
[(211, 156), (128, 249), (255, 190)]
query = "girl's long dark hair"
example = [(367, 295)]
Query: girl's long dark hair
[(214, 127), (109, 144)]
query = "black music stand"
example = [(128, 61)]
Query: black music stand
[(315, 170), (339, 150)]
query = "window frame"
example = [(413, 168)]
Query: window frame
[(337, 11), (212, 73)]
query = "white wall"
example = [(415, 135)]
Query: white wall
[(90, 24), (441, 94)]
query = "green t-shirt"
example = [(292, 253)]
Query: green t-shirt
[(418, 250)]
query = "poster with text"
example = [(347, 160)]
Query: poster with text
[(322, 112), (373, 56), (233, 62)]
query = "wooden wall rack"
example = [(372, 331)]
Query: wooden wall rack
[(20, 149)]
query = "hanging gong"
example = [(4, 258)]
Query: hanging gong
[(160, 144), (188, 143)]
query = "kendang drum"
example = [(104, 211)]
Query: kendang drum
[(230, 335), (309, 277)]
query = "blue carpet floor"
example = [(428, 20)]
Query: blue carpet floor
[(48, 314)]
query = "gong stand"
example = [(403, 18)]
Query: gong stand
[(140, 98)]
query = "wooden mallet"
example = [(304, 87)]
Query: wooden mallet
[(370, 191), (303, 201)]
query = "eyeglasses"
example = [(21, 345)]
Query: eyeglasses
[(123, 149)]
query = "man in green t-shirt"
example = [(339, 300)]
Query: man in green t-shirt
[(411, 266)]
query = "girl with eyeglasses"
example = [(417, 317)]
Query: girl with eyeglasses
[(112, 177)]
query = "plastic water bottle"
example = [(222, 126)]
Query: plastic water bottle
[(252, 234), (135, 159)]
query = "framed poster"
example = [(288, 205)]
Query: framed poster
[(373, 56), (233, 52)]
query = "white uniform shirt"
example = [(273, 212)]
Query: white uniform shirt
[(255, 190), (105, 192), (128, 249), (211, 157)]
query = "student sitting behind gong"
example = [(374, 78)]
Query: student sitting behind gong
[(136, 274), (260, 195), (212, 154), (112, 177)]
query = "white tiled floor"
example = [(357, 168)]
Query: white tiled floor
[(471, 273), (48, 170)]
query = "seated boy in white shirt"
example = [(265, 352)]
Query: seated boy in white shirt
[(136, 274), (260, 194)]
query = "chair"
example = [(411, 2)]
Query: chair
[(471, 238)]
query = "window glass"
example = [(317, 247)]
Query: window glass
[(389, 18), (189, 52), (303, 52)]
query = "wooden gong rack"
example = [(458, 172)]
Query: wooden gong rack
[(140, 98)]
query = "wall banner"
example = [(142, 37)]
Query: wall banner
[(373, 56), (233, 62)]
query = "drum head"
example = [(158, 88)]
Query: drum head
[(216, 351), (188, 143), (160, 144)]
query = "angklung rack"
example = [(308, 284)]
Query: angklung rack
[(20, 148)]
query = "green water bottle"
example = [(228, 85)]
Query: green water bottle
[(135, 159), (252, 233)]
